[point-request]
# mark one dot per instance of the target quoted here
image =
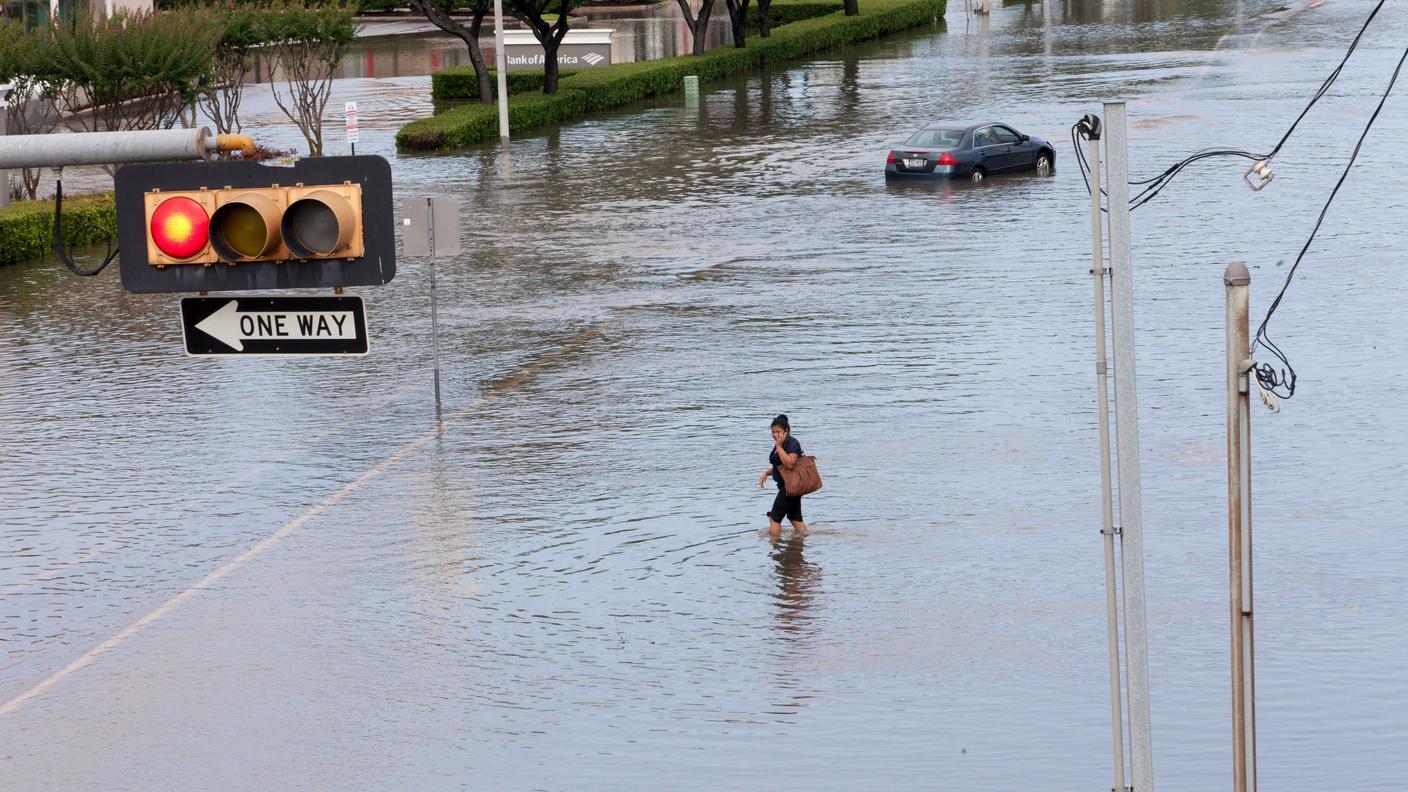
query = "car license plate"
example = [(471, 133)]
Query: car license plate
[(914, 164)]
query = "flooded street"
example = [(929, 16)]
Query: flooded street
[(284, 574)]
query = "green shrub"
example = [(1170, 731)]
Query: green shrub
[(138, 70), (786, 13), (476, 123), (459, 82), (606, 87), (27, 228)]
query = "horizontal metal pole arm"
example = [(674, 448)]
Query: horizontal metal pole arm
[(102, 148)]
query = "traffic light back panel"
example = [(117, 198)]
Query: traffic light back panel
[(229, 225)]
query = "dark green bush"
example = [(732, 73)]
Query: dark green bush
[(27, 228), (787, 13), (476, 123), (459, 82), (612, 86)]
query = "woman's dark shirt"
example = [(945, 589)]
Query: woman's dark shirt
[(791, 446)]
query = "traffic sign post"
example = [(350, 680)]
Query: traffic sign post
[(352, 136), (422, 216), (274, 325)]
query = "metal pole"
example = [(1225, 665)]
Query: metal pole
[(101, 148), (501, 61), (4, 121), (1097, 272), (434, 320), (1136, 635), (1239, 527)]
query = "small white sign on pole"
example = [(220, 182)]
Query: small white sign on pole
[(352, 136)]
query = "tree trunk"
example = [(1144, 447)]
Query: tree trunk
[(764, 18), (690, 22), (698, 26), (701, 28), (433, 11), (852, 7), (551, 38), (476, 56), (738, 20), (550, 67)]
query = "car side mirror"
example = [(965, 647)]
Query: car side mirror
[(1025, 138)]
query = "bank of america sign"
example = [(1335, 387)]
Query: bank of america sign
[(580, 49)]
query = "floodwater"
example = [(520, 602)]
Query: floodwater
[(283, 573)]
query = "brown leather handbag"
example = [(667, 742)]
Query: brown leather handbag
[(802, 478)]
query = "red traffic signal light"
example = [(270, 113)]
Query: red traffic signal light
[(178, 228)]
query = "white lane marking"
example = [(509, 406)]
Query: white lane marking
[(205, 582), (175, 602)]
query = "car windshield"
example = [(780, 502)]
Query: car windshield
[(938, 138)]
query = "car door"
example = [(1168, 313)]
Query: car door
[(991, 154), (1015, 153)]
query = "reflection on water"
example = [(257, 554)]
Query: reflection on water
[(797, 581), (566, 589), (647, 32)]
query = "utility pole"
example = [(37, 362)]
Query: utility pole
[(4, 120), (501, 62), (1239, 527), (1131, 526), (1107, 530)]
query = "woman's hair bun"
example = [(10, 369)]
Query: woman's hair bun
[(781, 420)]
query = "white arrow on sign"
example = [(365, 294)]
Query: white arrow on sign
[(232, 327)]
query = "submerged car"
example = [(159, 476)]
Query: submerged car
[(969, 151)]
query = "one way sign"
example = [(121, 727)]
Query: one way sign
[(274, 325)]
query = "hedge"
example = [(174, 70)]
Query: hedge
[(469, 124), (787, 13), (27, 228), (460, 82), (612, 86)]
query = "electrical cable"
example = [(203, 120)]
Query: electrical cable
[(1154, 185), (1283, 382), (59, 235)]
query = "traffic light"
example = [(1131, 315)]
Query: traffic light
[(232, 225)]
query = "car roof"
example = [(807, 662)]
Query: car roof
[(964, 125)]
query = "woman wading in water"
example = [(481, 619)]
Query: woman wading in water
[(785, 453)]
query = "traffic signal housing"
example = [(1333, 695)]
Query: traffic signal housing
[(232, 225)]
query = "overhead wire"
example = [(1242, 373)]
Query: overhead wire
[(1154, 185), (1282, 381)]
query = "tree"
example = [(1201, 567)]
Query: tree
[(698, 25), (764, 18), (852, 7), (243, 30), (738, 20), (31, 109), (131, 70), (438, 12), (309, 43), (531, 12)]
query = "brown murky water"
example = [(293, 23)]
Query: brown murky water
[(568, 588)]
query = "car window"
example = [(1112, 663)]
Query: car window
[(983, 137), (1005, 135), (937, 138)]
